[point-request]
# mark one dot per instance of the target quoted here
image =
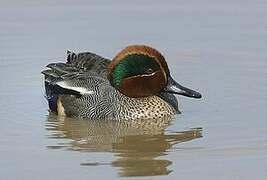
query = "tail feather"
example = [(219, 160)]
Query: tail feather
[(62, 68), (71, 56)]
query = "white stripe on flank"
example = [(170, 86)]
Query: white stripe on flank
[(81, 90)]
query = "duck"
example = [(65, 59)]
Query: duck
[(135, 85)]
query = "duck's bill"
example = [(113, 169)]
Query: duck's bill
[(175, 88)]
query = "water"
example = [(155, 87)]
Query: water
[(217, 48)]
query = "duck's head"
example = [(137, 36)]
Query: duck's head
[(141, 71)]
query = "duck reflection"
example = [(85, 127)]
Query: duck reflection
[(137, 145)]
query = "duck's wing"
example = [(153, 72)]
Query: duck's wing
[(89, 62), (59, 76), (76, 77), (66, 79)]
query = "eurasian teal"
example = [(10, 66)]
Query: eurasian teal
[(136, 84)]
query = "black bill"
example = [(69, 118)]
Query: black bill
[(175, 88)]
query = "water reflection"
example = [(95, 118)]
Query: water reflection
[(139, 147)]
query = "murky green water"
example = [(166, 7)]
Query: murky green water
[(217, 48)]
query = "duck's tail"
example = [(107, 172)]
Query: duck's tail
[(71, 57)]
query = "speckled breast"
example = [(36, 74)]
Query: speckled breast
[(151, 107)]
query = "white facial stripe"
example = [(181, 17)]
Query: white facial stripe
[(81, 90), (147, 75)]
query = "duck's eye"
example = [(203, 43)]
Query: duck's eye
[(149, 71)]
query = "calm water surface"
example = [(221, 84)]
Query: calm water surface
[(215, 47)]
